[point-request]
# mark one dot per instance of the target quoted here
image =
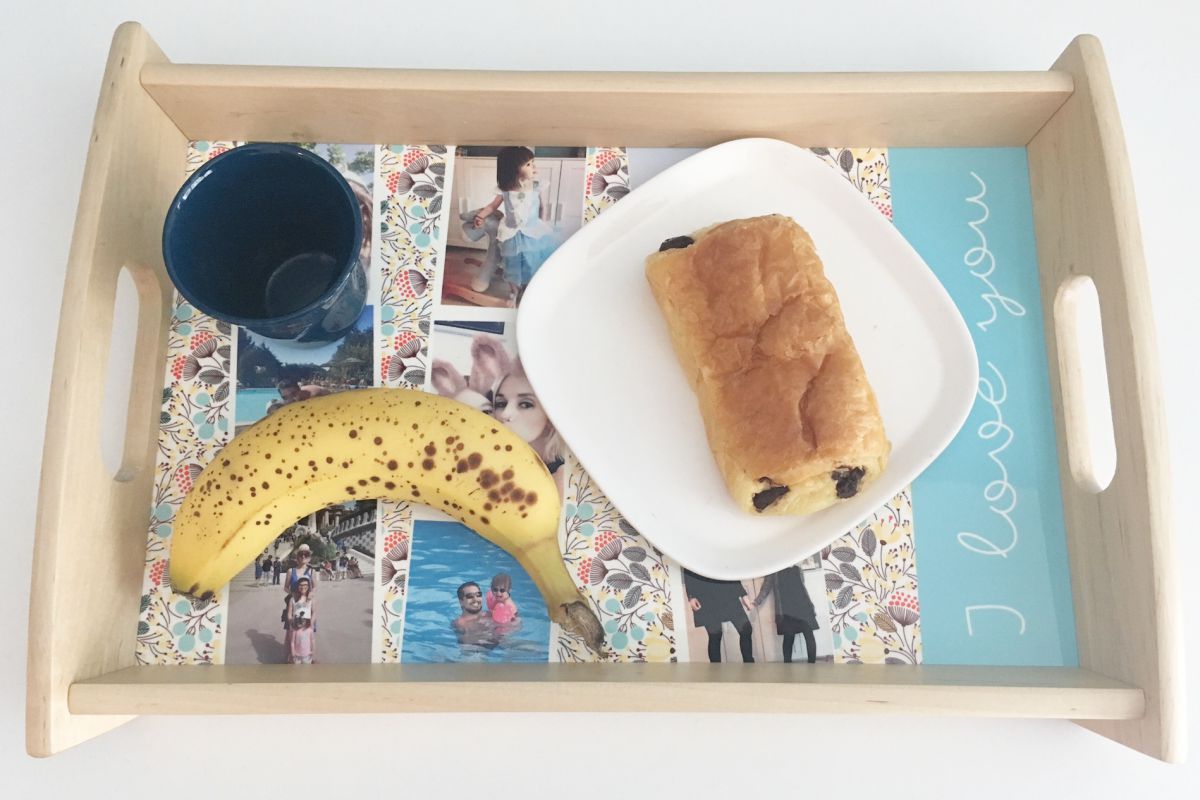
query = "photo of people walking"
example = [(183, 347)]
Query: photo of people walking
[(778, 617)]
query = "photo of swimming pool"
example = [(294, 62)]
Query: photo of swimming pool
[(262, 364), (444, 556), (252, 404)]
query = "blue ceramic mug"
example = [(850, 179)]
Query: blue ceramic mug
[(268, 236)]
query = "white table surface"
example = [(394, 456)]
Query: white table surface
[(53, 55)]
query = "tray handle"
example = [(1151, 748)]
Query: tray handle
[(91, 526), (1086, 400), (1120, 542)]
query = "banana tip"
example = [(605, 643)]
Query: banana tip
[(580, 620), (193, 591)]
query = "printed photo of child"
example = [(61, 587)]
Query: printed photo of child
[(302, 639), (499, 599), (515, 206), (298, 642)]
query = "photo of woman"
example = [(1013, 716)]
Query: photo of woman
[(714, 603), (794, 611), (515, 404), (472, 363)]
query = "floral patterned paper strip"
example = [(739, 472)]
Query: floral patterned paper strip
[(626, 579), (867, 170), (195, 422), (410, 233), (396, 524), (871, 580), (606, 180), (412, 182), (871, 573)]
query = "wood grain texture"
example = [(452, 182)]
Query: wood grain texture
[(91, 527), (1127, 606), (605, 108), (807, 688)]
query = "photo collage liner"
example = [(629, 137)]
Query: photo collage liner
[(455, 235)]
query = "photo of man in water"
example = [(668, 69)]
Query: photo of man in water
[(474, 625)]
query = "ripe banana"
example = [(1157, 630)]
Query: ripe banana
[(364, 444)]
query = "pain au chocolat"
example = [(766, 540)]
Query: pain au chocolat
[(790, 416)]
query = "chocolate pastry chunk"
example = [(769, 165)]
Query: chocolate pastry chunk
[(676, 243), (763, 500), (847, 480)]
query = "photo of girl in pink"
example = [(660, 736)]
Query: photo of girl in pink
[(500, 602), (298, 619)]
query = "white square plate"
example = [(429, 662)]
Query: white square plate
[(598, 354)]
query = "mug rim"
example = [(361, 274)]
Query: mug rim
[(251, 148)]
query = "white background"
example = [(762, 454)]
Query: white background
[(52, 56)]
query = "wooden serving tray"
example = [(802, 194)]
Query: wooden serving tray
[(90, 530)]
